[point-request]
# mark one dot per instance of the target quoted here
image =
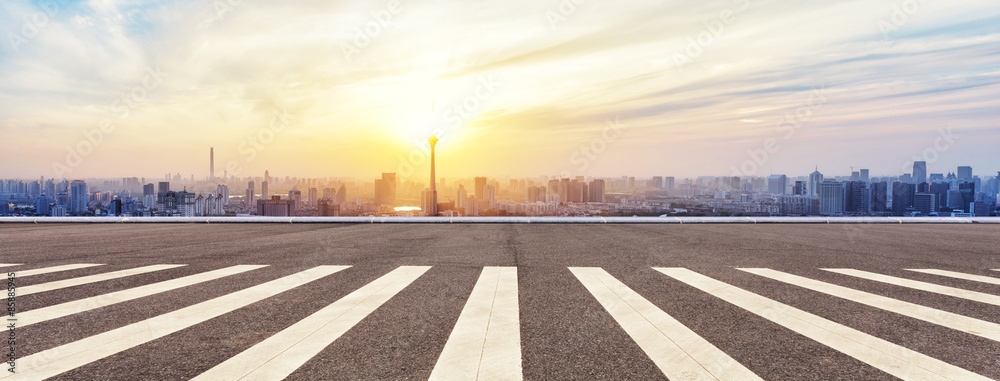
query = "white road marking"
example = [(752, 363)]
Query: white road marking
[(284, 352), (46, 270), (922, 286), (679, 352), (486, 341), (957, 275), (9, 264), (63, 358), (947, 319), (36, 288), (888, 357), (65, 309)]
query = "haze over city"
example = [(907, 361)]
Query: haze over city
[(316, 89)]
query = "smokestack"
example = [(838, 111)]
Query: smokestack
[(211, 163)]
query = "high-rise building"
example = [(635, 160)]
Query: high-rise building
[(815, 179), (596, 190), (857, 197), (668, 183), (163, 187), (940, 189), (313, 197), (799, 189), (295, 198), (462, 196), (657, 182), (902, 197), (251, 194), (864, 175), (385, 189), (777, 184), (831, 198), (925, 203), (263, 190), (326, 207), (42, 204), (964, 173), (919, 172), (480, 185), (342, 194), (78, 197)]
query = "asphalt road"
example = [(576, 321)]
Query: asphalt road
[(565, 331)]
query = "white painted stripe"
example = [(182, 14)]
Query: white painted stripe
[(53, 269), (957, 275), (9, 264), (65, 309), (947, 319), (36, 288), (281, 354), (888, 357), (486, 341), (922, 286), (679, 352), (63, 358)]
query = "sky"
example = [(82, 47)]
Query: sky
[(112, 88)]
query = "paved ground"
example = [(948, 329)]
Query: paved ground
[(568, 329)]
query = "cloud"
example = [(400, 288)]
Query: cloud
[(230, 67)]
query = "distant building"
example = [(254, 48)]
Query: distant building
[(965, 173), (800, 189), (313, 197), (902, 197), (919, 172), (777, 184), (925, 203), (815, 179), (78, 197), (42, 204), (480, 188), (295, 198), (596, 191), (385, 189), (831, 198), (276, 207), (327, 208)]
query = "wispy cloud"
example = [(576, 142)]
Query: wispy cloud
[(228, 69)]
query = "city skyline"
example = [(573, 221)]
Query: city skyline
[(588, 89)]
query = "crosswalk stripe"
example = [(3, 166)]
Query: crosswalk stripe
[(60, 359), (958, 275), (46, 270), (888, 357), (27, 290), (922, 286), (679, 352), (9, 264), (284, 352), (947, 319), (65, 309), (486, 340)]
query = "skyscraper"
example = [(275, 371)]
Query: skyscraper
[(481, 183), (596, 191), (864, 175), (815, 179), (313, 197), (965, 173), (78, 197), (831, 198), (902, 197), (263, 190), (919, 172), (385, 189)]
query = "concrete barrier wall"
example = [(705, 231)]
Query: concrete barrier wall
[(512, 220)]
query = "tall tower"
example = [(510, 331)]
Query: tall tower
[(211, 163), (433, 210)]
